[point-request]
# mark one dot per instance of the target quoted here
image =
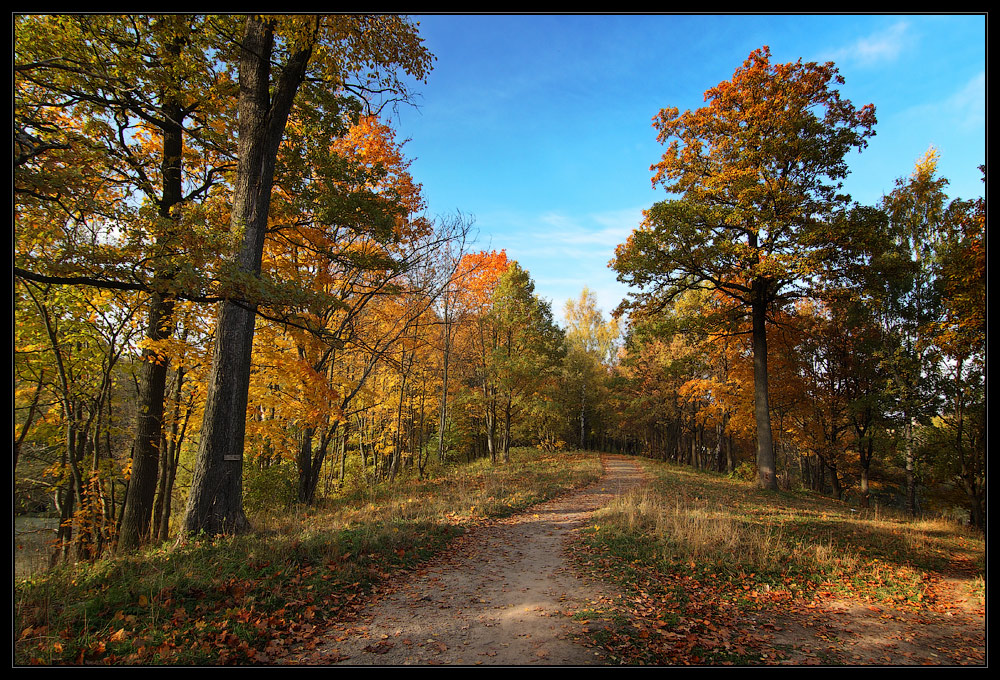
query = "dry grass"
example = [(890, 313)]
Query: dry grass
[(701, 523), (693, 529)]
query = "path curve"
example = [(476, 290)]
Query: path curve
[(498, 596)]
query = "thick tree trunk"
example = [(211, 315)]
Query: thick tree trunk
[(765, 444), (307, 475), (215, 504), (836, 490)]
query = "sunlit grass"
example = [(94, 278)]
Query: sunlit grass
[(707, 525)]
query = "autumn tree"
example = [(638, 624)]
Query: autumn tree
[(938, 322), (920, 217), (961, 338), (653, 366), (527, 349), (331, 49), (346, 230), (474, 338), (591, 347), (74, 339), (120, 105), (757, 172), (826, 361)]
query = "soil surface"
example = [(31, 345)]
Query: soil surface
[(503, 594)]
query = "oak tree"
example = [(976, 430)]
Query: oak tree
[(757, 172), (330, 49)]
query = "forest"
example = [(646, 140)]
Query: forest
[(229, 299)]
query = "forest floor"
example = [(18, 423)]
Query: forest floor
[(949, 631), (506, 594)]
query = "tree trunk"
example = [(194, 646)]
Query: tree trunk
[(730, 460), (215, 504), (444, 378), (138, 510), (491, 429), (866, 463), (719, 463), (835, 487), (306, 472), (343, 455), (506, 430), (911, 482), (765, 444), (168, 467)]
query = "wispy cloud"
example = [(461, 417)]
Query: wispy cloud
[(600, 231), (566, 252), (967, 106), (878, 48), (964, 110), (561, 233)]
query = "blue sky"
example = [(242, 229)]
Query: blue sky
[(539, 126)]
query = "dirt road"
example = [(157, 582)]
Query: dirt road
[(499, 596)]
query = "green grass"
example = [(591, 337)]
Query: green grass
[(248, 599)]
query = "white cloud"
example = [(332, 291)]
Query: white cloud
[(613, 228), (877, 48), (565, 253), (963, 111), (968, 105)]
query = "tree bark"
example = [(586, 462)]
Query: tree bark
[(866, 463), (765, 444), (911, 480), (168, 467), (215, 504), (138, 510), (443, 421)]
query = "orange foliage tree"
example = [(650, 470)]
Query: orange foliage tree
[(758, 173)]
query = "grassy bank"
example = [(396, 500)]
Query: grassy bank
[(700, 555), (249, 599)]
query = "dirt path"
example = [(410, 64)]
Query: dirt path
[(499, 596)]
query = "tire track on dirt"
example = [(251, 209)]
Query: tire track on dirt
[(498, 596)]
